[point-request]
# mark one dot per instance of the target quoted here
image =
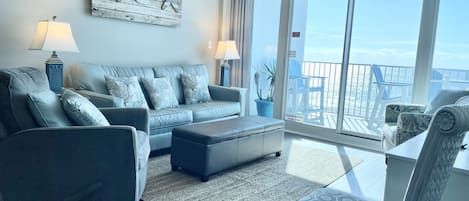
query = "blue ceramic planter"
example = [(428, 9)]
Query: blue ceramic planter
[(265, 108)]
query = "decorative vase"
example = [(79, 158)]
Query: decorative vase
[(265, 108)]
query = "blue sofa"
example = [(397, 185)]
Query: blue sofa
[(67, 163), (88, 80)]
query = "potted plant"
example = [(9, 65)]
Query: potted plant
[(265, 105)]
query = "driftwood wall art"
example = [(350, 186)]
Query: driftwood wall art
[(160, 12)]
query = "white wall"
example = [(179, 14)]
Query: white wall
[(109, 41)]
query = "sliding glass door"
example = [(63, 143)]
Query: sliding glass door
[(451, 58), (347, 60), (316, 50), (381, 65)]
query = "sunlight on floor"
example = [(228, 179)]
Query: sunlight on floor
[(321, 166)]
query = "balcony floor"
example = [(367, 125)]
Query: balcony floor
[(354, 124)]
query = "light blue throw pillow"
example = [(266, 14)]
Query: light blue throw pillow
[(47, 110), (128, 89), (160, 92), (195, 89), (81, 110)]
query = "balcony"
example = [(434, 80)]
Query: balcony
[(362, 113)]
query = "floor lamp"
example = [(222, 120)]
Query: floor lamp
[(226, 50), (56, 37)]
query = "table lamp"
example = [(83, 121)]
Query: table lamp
[(56, 37), (226, 50)]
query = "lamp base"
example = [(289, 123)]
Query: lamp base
[(225, 75), (54, 71)]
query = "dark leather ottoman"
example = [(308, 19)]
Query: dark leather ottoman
[(207, 148)]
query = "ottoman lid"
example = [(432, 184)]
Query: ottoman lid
[(219, 131)]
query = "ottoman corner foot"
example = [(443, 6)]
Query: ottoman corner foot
[(278, 153), (174, 167), (204, 178)]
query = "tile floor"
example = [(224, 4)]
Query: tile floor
[(367, 179)]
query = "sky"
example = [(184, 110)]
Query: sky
[(386, 32)]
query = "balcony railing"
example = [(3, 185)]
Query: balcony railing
[(361, 84)]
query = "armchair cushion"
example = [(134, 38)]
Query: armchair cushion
[(81, 110), (410, 125), (160, 92), (127, 88), (394, 110), (47, 110), (195, 89), (445, 97)]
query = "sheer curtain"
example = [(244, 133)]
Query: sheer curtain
[(240, 30)]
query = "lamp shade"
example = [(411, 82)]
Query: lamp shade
[(227, 50), (54, 36)]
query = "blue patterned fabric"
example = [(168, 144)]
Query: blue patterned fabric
[(160, 92), (195, 89), (81, 110), (127, 88), (47, 109)]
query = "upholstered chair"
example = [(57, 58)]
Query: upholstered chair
[(405, 121), (72, 162), (432, 169)]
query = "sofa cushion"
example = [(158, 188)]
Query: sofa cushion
[(15, 84), (169, 117), (213, 110), (91, 76), (195, 88), (445, 97), (47, 109), (127, 88), (173, 73), (81, 110), (160, 92)]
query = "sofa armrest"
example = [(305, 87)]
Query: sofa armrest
[(90, 163), (234, 94), (102, 100), (410, 125), (393, 111), (136, 117)]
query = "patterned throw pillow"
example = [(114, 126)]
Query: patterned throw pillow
[(160, 92), (195, 89), (128, 89), (81, 110), (47, 109)]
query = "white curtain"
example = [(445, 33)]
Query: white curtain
[(240, 30)]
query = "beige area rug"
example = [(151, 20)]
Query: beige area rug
[(299, 170)]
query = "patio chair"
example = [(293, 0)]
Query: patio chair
[(385, 93), (432, 169), (300, 89)]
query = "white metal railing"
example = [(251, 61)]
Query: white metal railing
[(361, 87)]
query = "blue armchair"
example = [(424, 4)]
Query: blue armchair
[(70, 163)]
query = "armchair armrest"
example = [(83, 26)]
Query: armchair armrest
[(410, 125), (102, 100), (393, 111), (229, 94), (136, 117), (73, 162)]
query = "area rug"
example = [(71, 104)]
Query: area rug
[(299, 170)]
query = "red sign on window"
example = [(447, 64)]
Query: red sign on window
[(295, 34)]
